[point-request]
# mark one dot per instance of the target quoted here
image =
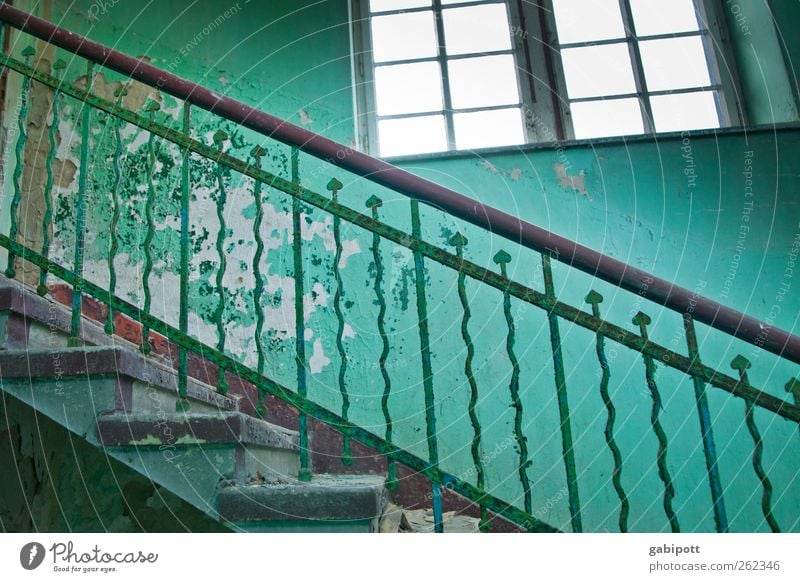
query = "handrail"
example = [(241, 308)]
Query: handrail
[(611, 270), (95, 110)]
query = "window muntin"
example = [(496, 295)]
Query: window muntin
[(476, 29), (572, 17), (597, 71), (652, 51), (421, 134), (447, 69), (572, 69), (664, 16), (403, 37)]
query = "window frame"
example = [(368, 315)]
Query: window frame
[(543, 97), (364, 67), (725, 87)]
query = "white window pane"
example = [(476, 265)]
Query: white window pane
[(403, 36), (411, 88), (606, 118), (412, 135), (384, 5), (475, 29), (598, 70), (663, 16), (674, 63), (483, 81), (579, 20), (685, 111), (483, 129), (455, 1)]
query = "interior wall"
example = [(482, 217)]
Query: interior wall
[(715, 213), (756, 34)]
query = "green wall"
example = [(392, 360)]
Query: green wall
[(768, 86), (288, 57), (715, 213)]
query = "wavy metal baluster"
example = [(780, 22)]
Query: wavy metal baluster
[(643, 320), (183, 316), (47, 218), (373, 203), (150, 201), (112, 229), (741, 364), (459, 241), (19, 151), (595, 299), (333, 187), (567, 448), (219, 313), (793, 388), (709, 447), (257, 153), (299, 314), (427, 367), (80, 211), (502, 258)]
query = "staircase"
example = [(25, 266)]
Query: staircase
[(239, 470), (212, 267)]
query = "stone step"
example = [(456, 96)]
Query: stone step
[(142, 384), (326, 503), (120, 429), (238, 469), (29, 322), (232, 444)]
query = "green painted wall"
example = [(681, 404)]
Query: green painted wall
[(786, 12), (287, 57), (715, 213), (768, 89)]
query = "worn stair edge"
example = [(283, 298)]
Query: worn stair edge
[(325, 498), (119, 429), (106, 361), (23, 301)]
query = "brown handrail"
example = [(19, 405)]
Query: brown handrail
[(510, 227)]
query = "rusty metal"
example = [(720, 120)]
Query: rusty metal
[(295, 399), (506, 225), (473, 270)]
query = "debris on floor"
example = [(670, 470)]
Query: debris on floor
[(396, 519)]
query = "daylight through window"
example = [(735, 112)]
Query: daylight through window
[(443, 75), (432, 96), (635, 66)]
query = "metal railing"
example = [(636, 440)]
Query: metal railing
[(267, 184)]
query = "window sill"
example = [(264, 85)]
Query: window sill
[(604, 141)]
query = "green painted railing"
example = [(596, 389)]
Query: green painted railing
[(466, 276)]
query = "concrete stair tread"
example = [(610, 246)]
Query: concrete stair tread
[(190, 428), (138, 425), (325, 497), (108, 360), (54, 318)]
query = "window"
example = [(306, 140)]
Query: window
[(443, 75), (459, 93), (636, 66)]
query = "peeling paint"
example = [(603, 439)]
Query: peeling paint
[(304, 117), (318, 359), (574, 183)]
